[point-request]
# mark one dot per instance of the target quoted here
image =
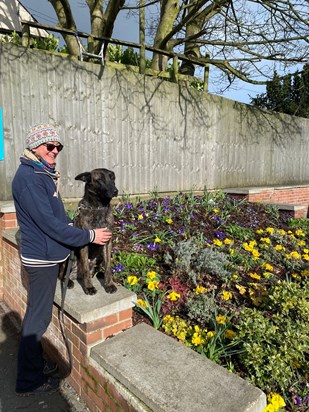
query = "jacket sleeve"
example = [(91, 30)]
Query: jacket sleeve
[(35, 202)]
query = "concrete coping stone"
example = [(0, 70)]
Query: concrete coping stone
[(87, 308), (7, 207), (260, 189), (167, 376)]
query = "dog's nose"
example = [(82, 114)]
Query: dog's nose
[(115, 193)]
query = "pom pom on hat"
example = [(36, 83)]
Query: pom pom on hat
[(40, 134)]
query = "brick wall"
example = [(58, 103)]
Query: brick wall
[(296, 197), (7, 221)]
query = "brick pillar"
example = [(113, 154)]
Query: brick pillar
[(7, 221)]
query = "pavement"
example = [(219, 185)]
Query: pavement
[(65, 400)]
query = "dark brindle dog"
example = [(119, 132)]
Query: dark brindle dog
[(95, 211)]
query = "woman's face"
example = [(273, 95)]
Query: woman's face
[(48, 151)]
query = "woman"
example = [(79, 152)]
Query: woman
[(47, 235)]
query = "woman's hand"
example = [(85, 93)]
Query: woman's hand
[(102, 236)]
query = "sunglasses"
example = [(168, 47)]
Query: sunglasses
[(50, 147)]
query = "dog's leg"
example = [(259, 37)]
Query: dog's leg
[(85, 271), (109, 285), (63, 273)]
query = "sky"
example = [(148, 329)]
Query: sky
[(125, 30)]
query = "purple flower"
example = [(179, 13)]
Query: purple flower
[(118, 268), (297, 400), (153, 246), (220, 235)]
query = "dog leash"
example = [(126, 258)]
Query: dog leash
[(64, 287)]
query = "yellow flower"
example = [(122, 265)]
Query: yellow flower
[(140, 217), (197, 339), (153, 285), (242, 289), (260, 231), (296, 276), (299, 232), (173, 296), (217, 242), (168, 318), (301, 243), (267, 274), (255, 253), (305, 272), (278, 247), (169, 221), (151, 275), (230, 334), (265, 239), (249, 246), (221, 319), (142, 303), (216, 210), (282, 232), (306, 257), (157, 240), (226, 295), (228, 241), (232, 252), (276, 400), (270, 230), (210, 334), (306, 251), (255, 276), (132, 280), (235, 276), (200, 289), (268, 267), (293, 255)]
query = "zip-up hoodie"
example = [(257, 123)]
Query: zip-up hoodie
[(46, 233)]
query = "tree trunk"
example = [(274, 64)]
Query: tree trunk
[(169, 12)]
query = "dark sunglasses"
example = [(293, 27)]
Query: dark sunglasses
[(50, 147)]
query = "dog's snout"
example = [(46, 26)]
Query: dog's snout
[(115, 193)]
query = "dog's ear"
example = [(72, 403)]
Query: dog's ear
[(84, 177)]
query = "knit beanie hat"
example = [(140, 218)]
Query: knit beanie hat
[(41, 133)]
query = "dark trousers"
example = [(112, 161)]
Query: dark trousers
[(30, 362)]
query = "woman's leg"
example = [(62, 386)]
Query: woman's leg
[(30, 363)]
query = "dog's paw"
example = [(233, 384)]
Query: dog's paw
[(91, 291), (70, 284), (110, 288)]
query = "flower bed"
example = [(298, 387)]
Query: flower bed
[(226, 277)]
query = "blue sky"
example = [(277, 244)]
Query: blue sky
[(127, 31)]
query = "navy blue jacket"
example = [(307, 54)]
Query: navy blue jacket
[(46, 233)]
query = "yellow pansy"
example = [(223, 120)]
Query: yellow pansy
[(132, 280)]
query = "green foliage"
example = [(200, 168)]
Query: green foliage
[(133, 263), (49, 43), (240, 233), (152, 308), (201, 308), (276, 338), (299, 223), (128, 56), (288, 94), (196, 260)]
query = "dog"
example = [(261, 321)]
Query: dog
[(94, 211)]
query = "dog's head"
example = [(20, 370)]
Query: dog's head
[(99, 183)]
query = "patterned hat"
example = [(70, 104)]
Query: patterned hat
[(41, 133)]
